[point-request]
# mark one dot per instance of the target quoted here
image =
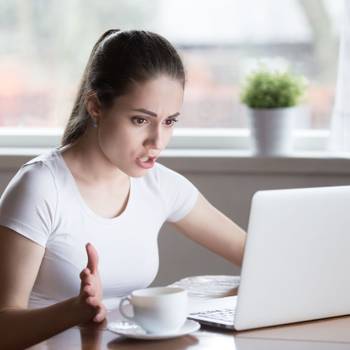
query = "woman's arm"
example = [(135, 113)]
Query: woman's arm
[(20, 259), (209, 227), (21, 327)]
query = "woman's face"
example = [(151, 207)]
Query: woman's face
[(140, 124)]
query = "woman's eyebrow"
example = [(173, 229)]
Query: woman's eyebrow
[(152, 114)]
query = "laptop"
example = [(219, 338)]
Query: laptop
[(295, 265)]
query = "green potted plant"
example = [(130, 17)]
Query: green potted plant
[(272, 98)]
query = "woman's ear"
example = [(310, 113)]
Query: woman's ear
[(93, 106)]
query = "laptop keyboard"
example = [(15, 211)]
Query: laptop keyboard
[(224, 316)]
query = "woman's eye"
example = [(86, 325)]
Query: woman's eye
[(171, 122), (138, 120)]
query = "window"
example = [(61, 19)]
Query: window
[(45, 46)]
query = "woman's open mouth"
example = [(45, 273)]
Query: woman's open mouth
[(146, 162)]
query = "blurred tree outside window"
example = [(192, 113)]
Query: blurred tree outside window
[(45, 46)]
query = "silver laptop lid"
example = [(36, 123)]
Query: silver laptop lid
[(296, 258)]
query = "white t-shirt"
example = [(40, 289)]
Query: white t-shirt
[(43, 203)]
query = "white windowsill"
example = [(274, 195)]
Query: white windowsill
[(189, 138)]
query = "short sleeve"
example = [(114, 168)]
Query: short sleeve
[(28, 204), (178, 193)]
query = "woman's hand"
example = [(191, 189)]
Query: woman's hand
[(91, 287)]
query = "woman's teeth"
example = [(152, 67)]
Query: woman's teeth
[(144, 159)]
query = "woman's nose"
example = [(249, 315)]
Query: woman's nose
[(156, 140)]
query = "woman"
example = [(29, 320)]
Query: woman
[(102, 191)]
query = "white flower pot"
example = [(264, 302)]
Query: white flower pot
[(271, 130)]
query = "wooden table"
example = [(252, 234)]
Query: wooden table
[(328, 334)]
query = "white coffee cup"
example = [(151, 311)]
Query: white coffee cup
[(157, 309)]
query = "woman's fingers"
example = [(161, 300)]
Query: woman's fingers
[(86, 272), (101, 314), (100, 309), (92, 258), (93, 301), (89, 291), (89, 280), (99, 317)]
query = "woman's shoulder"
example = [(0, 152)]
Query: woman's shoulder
[(28, 204), (36, 173), (44, 160)]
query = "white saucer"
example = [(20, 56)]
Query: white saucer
[(131, 330)]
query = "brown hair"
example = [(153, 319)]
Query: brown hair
[(118, 59)]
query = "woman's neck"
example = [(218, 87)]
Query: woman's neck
[(87, 161)]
